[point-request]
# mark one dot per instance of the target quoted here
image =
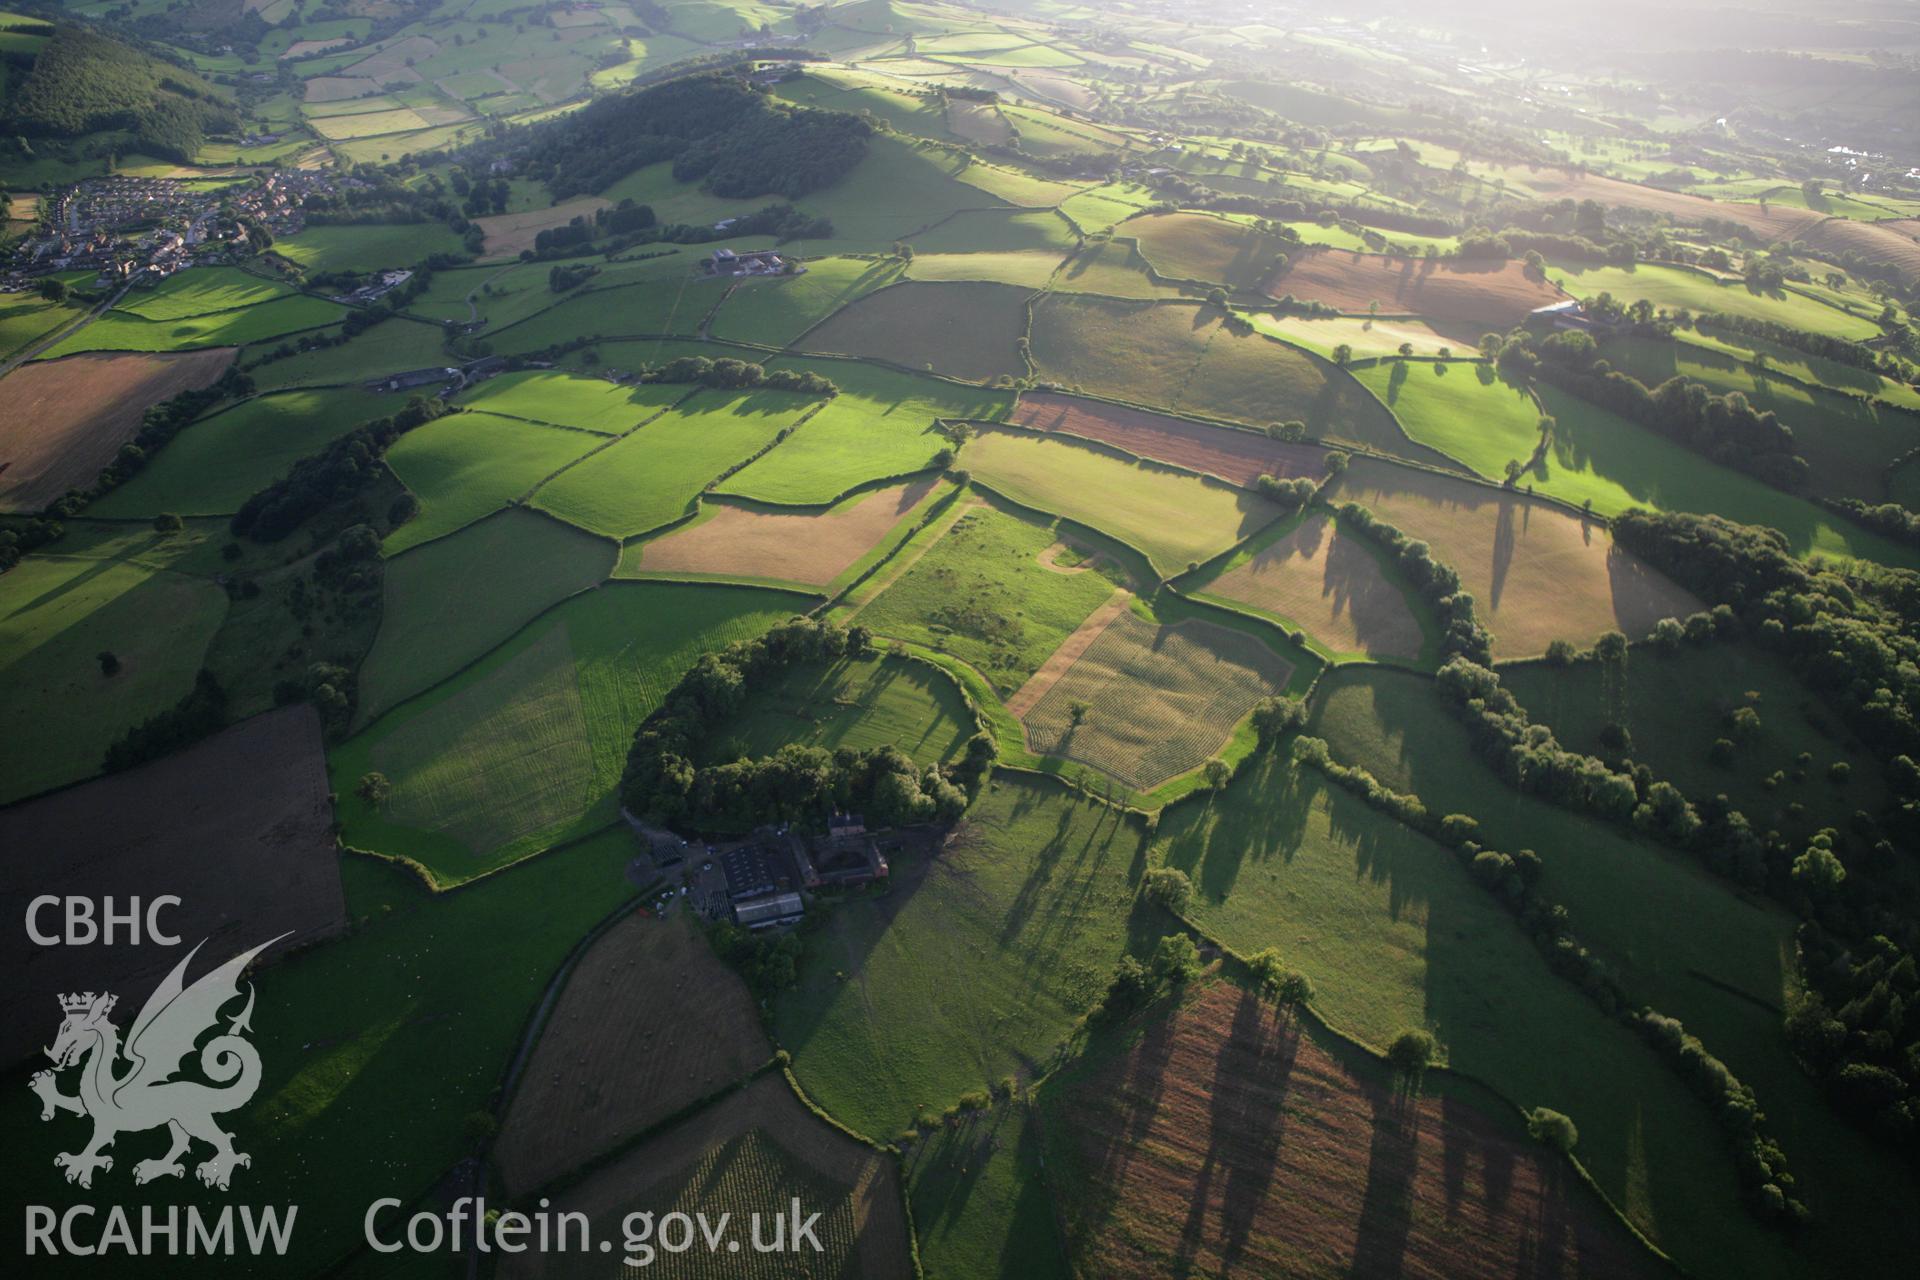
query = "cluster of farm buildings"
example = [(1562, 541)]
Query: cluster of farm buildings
[(764, 882)]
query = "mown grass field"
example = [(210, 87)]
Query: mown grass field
[(965, 329), (981, 1204), (587, 404), (652, 476), (981, 594), (1683, 940), (1817, 370), (1173, 517), (778, 309), (1848, 443), (1308, 572), (1366, 337), (434, 622), (376, 247), (879, 426), (201, 292), (120, 331), (57, 613), (1463, 409), (1396, 934), (1675, 287), (220, 461), (393, 347), (994, 231), (467, 465), (972, 966), (671, 304), (1147, 702), (874, 702), (25, 319), (524, 749)]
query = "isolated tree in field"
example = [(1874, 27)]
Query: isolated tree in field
[(1406, 348), (1175, 961), (1445, 353), (1292, 432), (1077, 710), (109, 662), (1551, 1127), (1218, 773), (1819, 870), (54, 289), (1744, 722), (1514, 469), (1611, 647), (374, 788), (166, 522), (1167, 887), (1342, 354), (1336, 461), (1411, 1053), (1560, 653)]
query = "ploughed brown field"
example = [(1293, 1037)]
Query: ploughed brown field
[(1238, 457), (751, 1152), (1776, 221), (1228, 1142), (1894, 244), (1459, 299), (813, 547), (238, 827), (62, 421), (649, 1022), (1332, 586), (1537, 572)]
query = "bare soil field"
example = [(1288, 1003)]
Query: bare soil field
[(509, 233), (1323, 580), (649, 1022), (1775, 221), (1227, 1141), (61, 421), (1460, 299), (1894, 244), (1238, 457), (751, 1152), (812, 547), (1537, 573), (967, 329), (239, 827), (337, 88)]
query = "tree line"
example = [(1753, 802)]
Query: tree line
[(332, 476)]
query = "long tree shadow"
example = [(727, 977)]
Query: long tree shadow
[(1386, 1212)]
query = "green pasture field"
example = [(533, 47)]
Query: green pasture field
[(1101, 207), (674, 201), (880, 425), (652, 476), (370, 124), (1617, 464), (586, 404), (1395, 934), (674, 304), (973, 965), (57, 612), (1206, 247), (980, 593), (347, 1051), (904, 112), (1015, 186), (1675, 287), (118, 331), (201, 291), (1676, 704), (900, 188), (965, 330), (524, 750), (997, 231), (27, 318), (368, 248), (1684, 941), (220, 461), (395, 346), (468, 465), (435, 622), (776, 310), (1365, 336), (1030, 270), (1173, 517), (1848, 443), (979, 1197), (857, 704), (1463, 409)]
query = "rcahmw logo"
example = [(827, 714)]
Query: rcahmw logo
[(130, 1086)]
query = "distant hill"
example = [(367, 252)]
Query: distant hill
[(81, 82)]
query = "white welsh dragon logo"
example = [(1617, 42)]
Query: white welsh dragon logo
[(145, 1096)]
